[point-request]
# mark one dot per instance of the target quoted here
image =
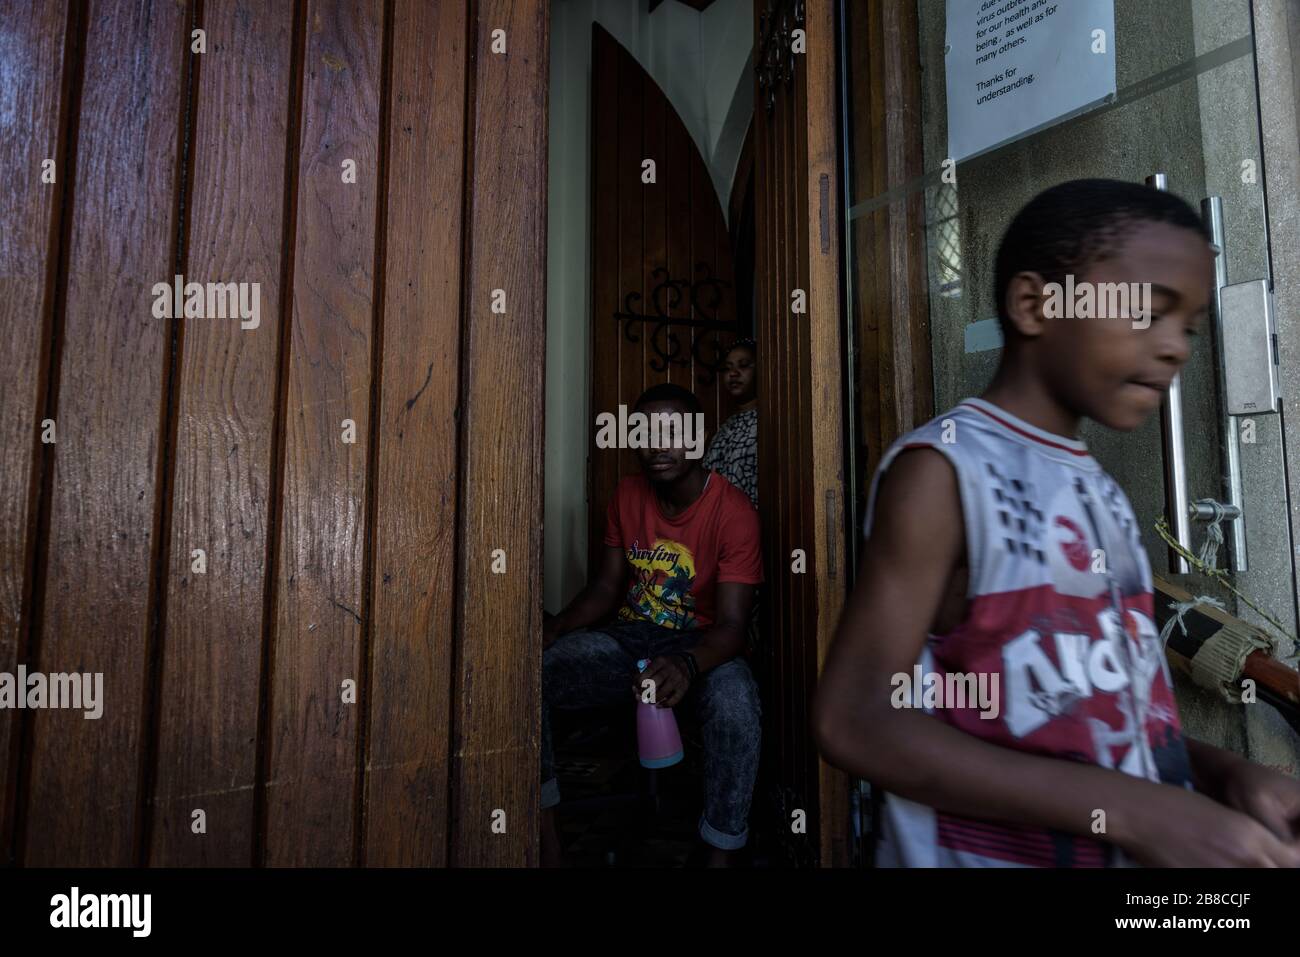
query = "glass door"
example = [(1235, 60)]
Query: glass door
[(1186, 107)]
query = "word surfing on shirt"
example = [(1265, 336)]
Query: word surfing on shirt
[(954, 690), (654, 430)]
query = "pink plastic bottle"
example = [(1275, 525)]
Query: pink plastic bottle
[(658, 741)]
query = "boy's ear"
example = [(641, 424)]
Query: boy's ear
[(1024, 304)]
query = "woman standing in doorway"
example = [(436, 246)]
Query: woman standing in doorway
[(734, 450)]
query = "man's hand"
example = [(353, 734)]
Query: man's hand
[(1271, 798), (671, 681), (601, 598)]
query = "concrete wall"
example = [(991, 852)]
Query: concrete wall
[(702, 62)]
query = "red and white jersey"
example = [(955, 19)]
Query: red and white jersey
[(1061, 611)]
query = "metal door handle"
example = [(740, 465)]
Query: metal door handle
[(1171, 431), (1212, 211)]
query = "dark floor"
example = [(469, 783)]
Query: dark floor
[(596, 758)]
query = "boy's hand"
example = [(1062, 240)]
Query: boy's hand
[(549, 633), (1268, 796), (1186, 829), (671, 680)]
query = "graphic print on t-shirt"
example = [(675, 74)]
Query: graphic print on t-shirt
[(662, 576)]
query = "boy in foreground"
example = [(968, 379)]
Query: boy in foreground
[(999, 548)]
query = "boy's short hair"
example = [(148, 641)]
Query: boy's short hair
[(1066, 229), (669, 392)]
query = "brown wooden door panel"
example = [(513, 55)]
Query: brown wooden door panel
[(497, 729), (84, 789), (33, 128), (414, 574), (326, 561), (311, 780), (225, 435)]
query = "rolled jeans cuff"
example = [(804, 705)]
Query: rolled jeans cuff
[(550, 793), (722, 841)]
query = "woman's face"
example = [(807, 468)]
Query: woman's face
[(738, 374)]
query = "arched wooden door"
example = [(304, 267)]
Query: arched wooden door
[(663, 284)]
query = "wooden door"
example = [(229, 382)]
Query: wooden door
[(304, 553), (663, 285), (801, 480)]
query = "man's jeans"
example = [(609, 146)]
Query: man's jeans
[(596, 668)]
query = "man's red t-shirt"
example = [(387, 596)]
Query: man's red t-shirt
[(677, 563)]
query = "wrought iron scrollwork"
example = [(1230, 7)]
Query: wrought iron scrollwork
[(704, 295), (776, 52)]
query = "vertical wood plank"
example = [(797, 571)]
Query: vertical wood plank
[(801, 461), (786, 505), (866, 263), (416, 492), (632, 356), (805, 650), (311, 789), (498, 692), (34, 113), (85, 774), (212, 653), (825, 389), (705, 222), (771, 431), (678, 150), (910, 304), (655, 228), (606, 296)]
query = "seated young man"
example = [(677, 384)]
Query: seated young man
[(680, 563)]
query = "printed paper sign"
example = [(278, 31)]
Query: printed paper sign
[(1018, 66)]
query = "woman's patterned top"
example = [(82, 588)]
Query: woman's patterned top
[(734, 452)]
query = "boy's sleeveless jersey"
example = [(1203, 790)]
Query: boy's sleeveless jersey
[(1054, 556)]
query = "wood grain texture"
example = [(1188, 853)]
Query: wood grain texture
[(603, 464), (416, 493), (325, 561), (654, 204), (774, 621), (909, 300), (628, 245), (801, 408), (825, 392), (498, 655), (34, 112), (891, 300), (867, 266), (311, 786), (84, 784), (212, 649)]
